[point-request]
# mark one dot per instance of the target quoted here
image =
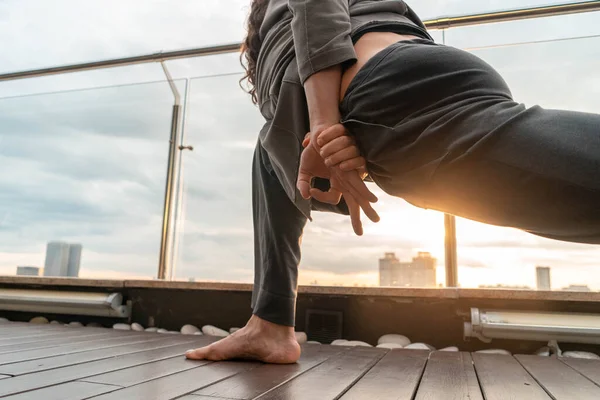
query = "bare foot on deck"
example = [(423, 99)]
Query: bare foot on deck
[(258, 340)]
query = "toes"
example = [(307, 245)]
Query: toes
[(197, 354)]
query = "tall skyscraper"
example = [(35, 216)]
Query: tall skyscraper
[(74, 260), (421, 272), (28, 271), (62, 259), (57, 259), (543, 278)]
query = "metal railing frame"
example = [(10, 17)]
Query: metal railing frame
[(451, 265)]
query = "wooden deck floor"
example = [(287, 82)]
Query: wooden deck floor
[(64, 363)]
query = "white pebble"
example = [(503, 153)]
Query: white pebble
[(234, 330), (137, 327), (543, 351), (581, 354), (189, 329), (55, 322), (3, 320), (39, 320), (494, 351), (312, 342), (357, 343), (198, 333), (161, 330), (301, 337), (173, 332), (152, 329), (390, 346), (214, 331), (393, 338), (76, 324), (94, 325), (122, 327), (339, 342), (451, 348), (419, 346)]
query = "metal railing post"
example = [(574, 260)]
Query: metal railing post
[(450, 251), (163, 260)]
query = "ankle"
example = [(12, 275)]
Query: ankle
[(258, 324)]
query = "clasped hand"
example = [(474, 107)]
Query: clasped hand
[(332, 154)]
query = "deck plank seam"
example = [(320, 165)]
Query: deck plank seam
[(576, 370), (362, 375), (302, 373), (138, 365), (477, 376), (540, 384), (421, 374)]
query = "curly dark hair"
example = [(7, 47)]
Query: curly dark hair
[(251, 46)]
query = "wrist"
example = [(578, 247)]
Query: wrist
[(324, 123)]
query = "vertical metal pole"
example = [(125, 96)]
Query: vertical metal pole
[(450, 247), (168, 205), (163, 260)]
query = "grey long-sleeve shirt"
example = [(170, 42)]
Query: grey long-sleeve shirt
[(299, 39)]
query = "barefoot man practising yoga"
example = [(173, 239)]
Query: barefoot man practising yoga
[(429, 123)]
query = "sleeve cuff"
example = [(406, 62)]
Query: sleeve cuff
[(325, 60)]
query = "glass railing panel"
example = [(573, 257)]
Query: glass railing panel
[(84, 168)]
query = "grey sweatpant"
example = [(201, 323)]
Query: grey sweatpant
[(439, 128)]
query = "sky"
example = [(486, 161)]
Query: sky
[(84, 155)]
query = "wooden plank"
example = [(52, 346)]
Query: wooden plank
[(560, 380), (31, 366), (145, 372), (27, 336), (502, 378), (68, 391), (329, 379), (41, 344), (395, 377), (449, 375), (160, 351), (251, 384), (103, 343), (31, 336), (588, 368), (173, 386)]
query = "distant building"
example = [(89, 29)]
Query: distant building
[(501, 286), (28, 271), (62, 259), (577, 288), (74, 260), (421, 272), (542, 275)]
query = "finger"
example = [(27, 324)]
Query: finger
[(343, 155), (336, 145), (359, 189), (354, 209), (306, 140), (333, 196), (303, 185), (331, 133), (354, 163), (361, 194)]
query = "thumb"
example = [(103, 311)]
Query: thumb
[(303, 184)]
